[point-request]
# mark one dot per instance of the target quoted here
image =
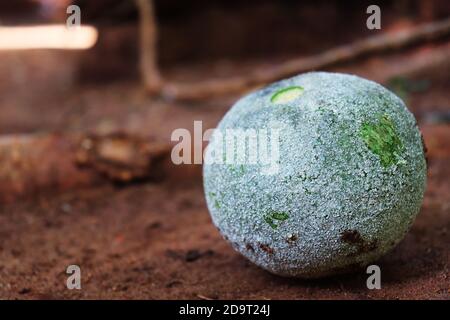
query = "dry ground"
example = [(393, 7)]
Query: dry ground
[(155, 240)]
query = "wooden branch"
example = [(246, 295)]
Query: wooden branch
[(50, 163), (121, 157), (30, 164), (148, 33), (390, 41)]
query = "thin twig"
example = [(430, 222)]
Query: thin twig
[(148, 33), (390, 41)]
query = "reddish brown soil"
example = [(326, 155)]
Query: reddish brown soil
[(155, 240)]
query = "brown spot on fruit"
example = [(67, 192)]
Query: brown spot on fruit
[(353, 237), (266, 248), (292, 238), (424, 147)]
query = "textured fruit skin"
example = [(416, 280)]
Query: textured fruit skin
[(334, 204)]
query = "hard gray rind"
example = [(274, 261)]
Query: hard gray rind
[(345, 208)]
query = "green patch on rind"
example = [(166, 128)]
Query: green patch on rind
[(382, 139), (212, 195), (274, 215), (287, 94)]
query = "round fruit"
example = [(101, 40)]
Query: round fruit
[(315, 175)]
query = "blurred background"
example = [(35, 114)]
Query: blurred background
[(86, 116)]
